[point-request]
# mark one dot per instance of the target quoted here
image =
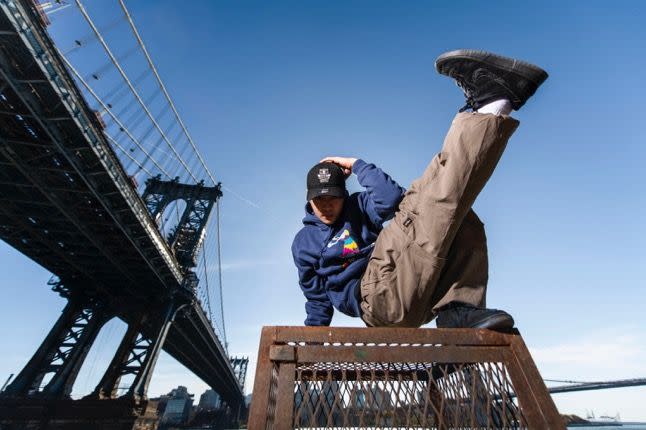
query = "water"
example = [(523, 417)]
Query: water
[(641, 426)]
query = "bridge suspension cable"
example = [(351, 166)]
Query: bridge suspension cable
[(163, 87), (102, 70), (180, 154), (210, 253), (127, 154), (149, 126), (206, 280), (561, 381), (89, 37), (132, 88), (217, 211), (114, 117), (120, 89)]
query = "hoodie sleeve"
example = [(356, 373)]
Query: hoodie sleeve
[(318, 307), (382, 195)]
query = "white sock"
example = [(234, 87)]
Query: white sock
[(498, 107)]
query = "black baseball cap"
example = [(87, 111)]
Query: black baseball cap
[(325, 179)]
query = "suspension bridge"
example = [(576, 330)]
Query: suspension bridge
[(102, 185)]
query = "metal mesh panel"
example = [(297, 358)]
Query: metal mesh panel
[(409, 395), (396, 378), (271, 405)]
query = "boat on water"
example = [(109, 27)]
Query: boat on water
[(600, 421), (604, 420)]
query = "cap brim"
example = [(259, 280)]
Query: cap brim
[(327, 191)]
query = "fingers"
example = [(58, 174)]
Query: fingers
[(336, 160), (343, 162), (330, 160)]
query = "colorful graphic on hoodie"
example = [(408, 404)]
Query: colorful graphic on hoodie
[(349, 245)]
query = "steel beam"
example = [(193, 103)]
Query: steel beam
[(137, 354), (61, 353), (50, 65), (62, 208), (62, 382), (53, 249)]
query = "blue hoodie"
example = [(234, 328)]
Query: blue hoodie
[(331, 259)]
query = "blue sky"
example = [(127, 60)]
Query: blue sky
[(269, 88)]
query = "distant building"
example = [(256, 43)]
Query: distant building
[(369, 397), (209, 400), (317, 399), (178, 407)]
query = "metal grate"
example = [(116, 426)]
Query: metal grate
[(271, 404), (407, 394), (318, 377)]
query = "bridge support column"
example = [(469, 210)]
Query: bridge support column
[(137, 354), (61, 353)]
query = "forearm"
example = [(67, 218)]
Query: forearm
[(383, 193)]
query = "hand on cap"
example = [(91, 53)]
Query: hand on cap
[(343, 162)]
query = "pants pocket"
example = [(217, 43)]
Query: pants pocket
[(401, 297)]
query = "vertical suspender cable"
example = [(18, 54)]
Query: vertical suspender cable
[(163, 135), (103, 105), (163, 87), (127, 154), (224, 332), (206, 279), (132, 88)]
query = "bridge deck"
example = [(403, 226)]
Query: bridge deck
[(67, 203)]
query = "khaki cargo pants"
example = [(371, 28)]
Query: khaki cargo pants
[(434, 251)]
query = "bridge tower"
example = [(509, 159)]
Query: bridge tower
[(187, 236), (240, 365), (46, 381)]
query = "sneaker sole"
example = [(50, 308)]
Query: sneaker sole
[(495, 322), (521, 68)]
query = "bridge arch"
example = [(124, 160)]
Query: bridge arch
[(98, 357), (170, 215)]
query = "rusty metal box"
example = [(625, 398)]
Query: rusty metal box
[(323, 377)]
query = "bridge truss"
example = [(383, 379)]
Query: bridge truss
[(68, 202)]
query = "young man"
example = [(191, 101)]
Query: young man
[(431, 260)]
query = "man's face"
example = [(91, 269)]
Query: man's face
[(327, 208)]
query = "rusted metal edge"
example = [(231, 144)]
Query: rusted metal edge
[(262, 383), (284, 418), (395, 336), (398, 354), (535, 392)]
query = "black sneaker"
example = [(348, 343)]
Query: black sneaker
[(485, 77), (462, 315)]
